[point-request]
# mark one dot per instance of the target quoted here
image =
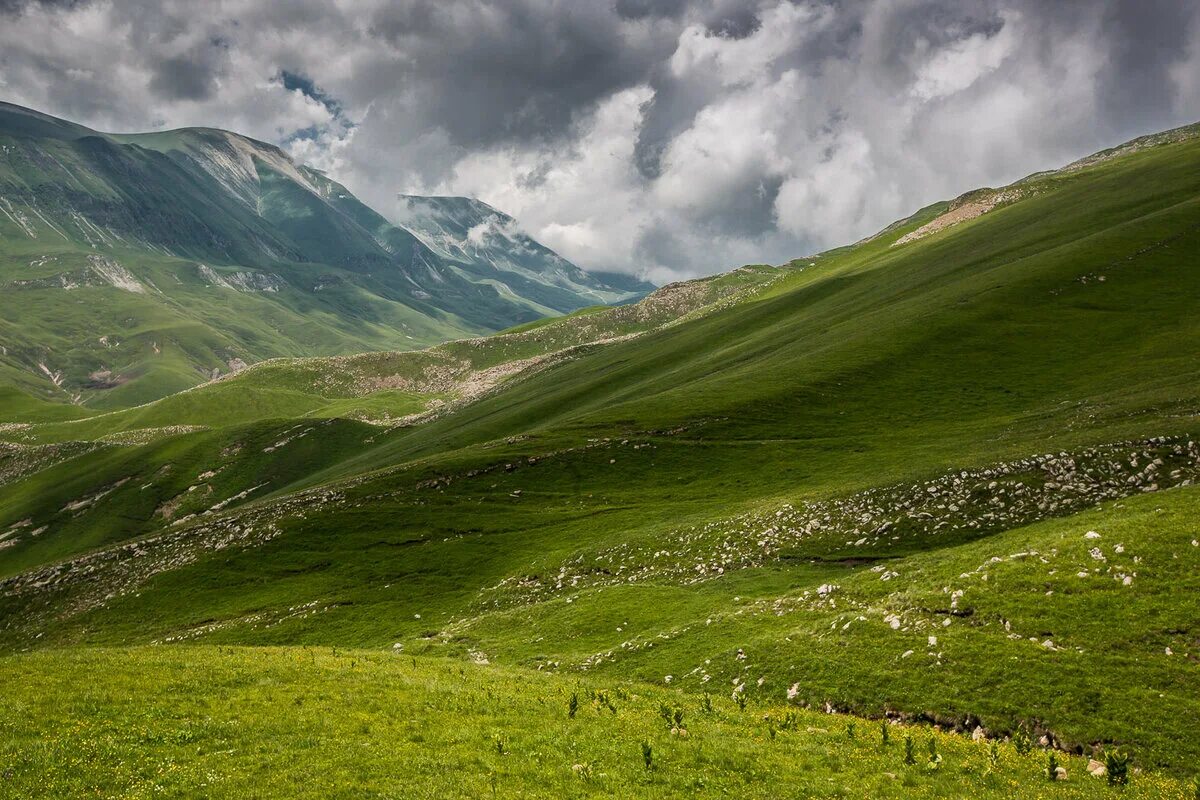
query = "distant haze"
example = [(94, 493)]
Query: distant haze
[(666, 138)]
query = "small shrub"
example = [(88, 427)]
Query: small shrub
[(935, 758), (910, 758), (673, 717), (499, 746), (1117, 765), (885, 733), (573, 705), (706, 703), (647, 755), (1051, 765), (604, 701), (851, 730), (1022, 742), (993, 752)]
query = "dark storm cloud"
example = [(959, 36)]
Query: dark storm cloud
[(641, 9), (736, 21), (667, 136), (1147, 37), (520, 69), (15, 6), (192, 76)]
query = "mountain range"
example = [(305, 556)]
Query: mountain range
[(142, 264)]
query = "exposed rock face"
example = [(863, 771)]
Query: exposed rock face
[(962, 210)]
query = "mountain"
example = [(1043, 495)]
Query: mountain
[(759, 530), (489, 246), (135, 265)]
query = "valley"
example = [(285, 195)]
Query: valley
[(940, 483)]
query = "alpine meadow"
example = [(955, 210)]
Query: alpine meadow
[(303, 499)]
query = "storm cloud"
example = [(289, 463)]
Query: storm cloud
[(666, 138)]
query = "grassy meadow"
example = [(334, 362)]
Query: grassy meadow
[(947, 485)]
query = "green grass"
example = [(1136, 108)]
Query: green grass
[(650, 506), (390, 385), (308, 722)]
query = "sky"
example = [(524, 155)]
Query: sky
[(662, 138)]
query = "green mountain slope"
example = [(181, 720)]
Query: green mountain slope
[(864, 482), (397, 388), (134, 266)]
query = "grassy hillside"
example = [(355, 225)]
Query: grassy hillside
[(943, 475), (398, 387)]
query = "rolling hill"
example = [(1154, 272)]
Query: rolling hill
[(133, 266), (939, 483)]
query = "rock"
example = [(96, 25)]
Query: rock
[(1096, 768), (979, 734), (1060, 773)]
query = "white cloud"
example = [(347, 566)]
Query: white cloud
[(729, 61), (583, 199), (667, 144), (952, 69)]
